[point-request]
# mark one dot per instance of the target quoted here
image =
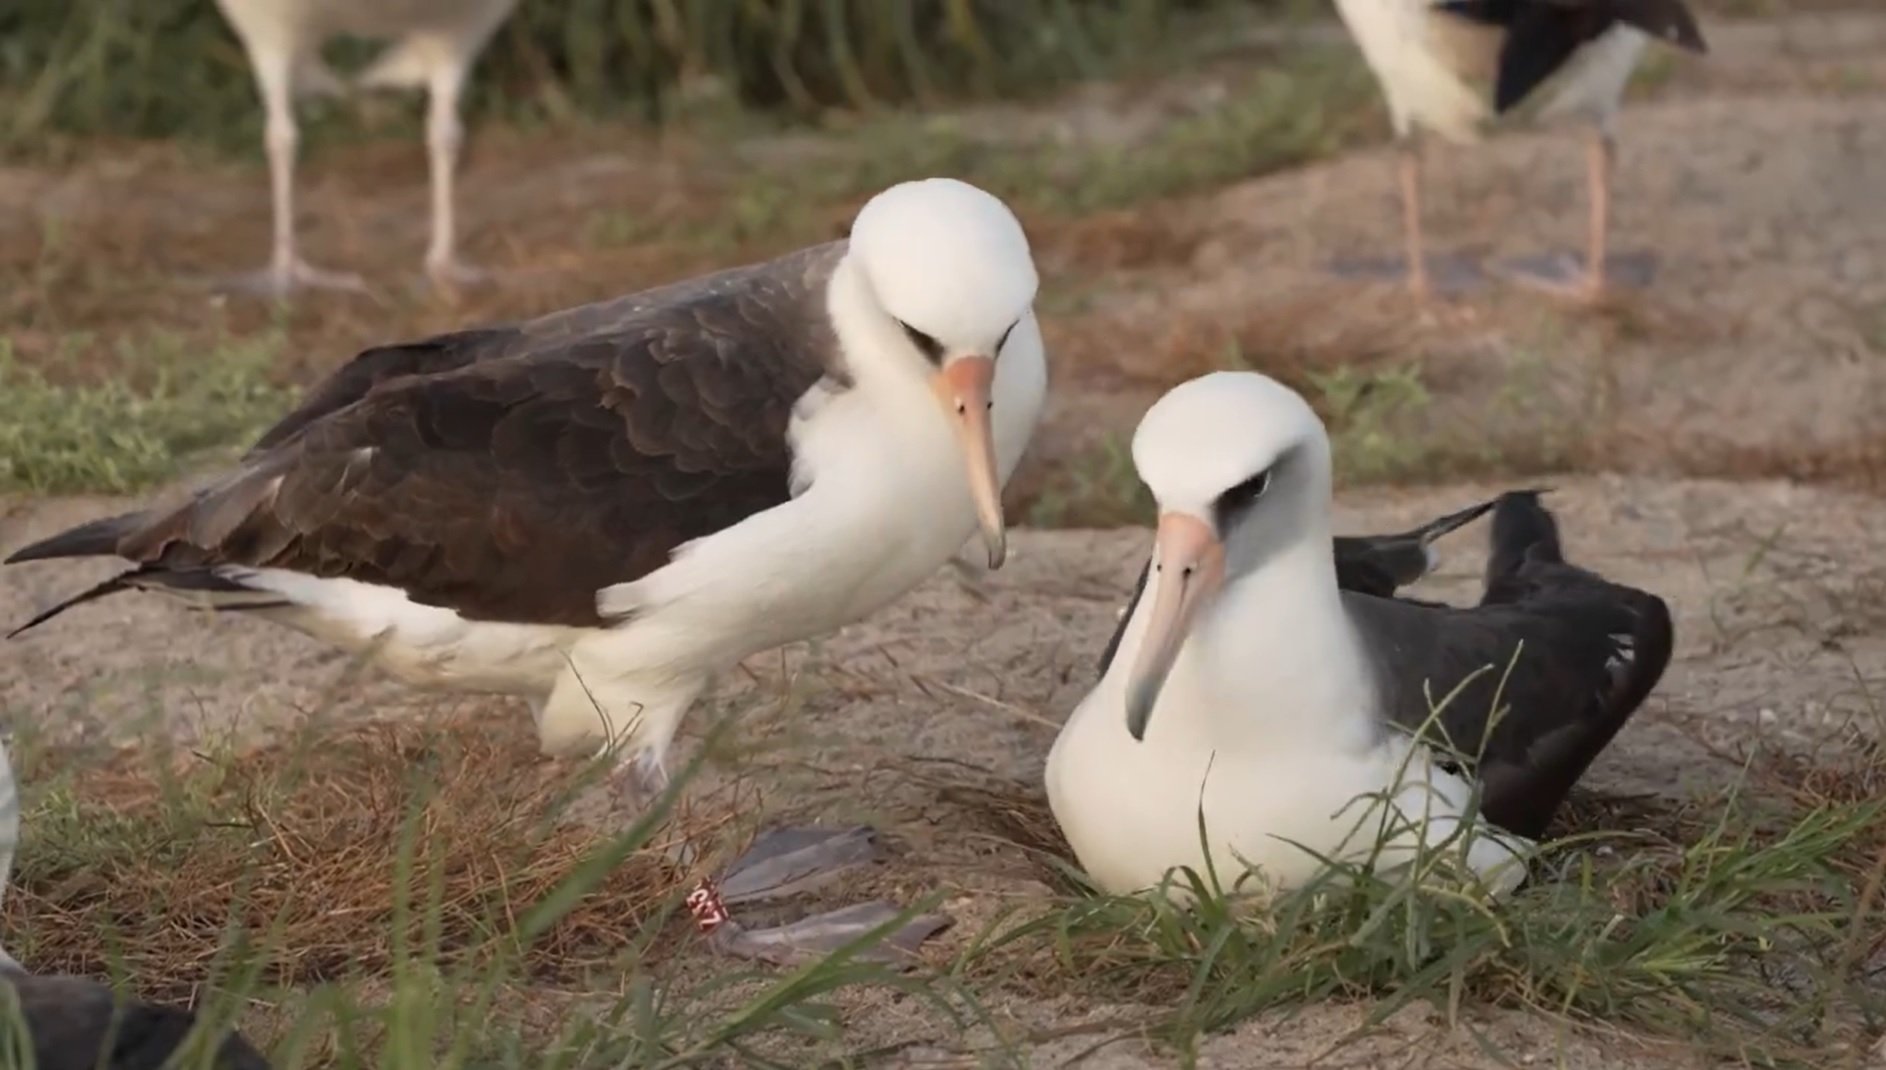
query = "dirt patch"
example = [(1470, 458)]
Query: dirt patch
[(1757, 354), (896, 719), (1748, 177)]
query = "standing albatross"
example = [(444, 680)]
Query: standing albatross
[(77, 1024), (603, 508), (1251, 685), (437, 42), (1454, 66)]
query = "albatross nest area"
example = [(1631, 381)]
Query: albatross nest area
[(578, 533)]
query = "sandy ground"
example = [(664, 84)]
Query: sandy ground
[(1775, 590), (1759, 353)]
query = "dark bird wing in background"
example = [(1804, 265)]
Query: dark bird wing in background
[(1564, 658)]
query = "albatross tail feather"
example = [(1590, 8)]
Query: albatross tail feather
[(1528, 563), (1618, 640), (95, 538), (1523, 530)]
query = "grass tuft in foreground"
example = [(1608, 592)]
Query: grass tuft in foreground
[(175, 404), (402, 897), (1729, 928)]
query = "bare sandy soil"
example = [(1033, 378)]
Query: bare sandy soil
[(1776, 590), (1759, 353)]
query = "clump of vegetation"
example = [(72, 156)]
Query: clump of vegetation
[(404, 896), (407, 896), (175, 403), (1364, 409), (1099, 488), (171, 68), (1738, 926)]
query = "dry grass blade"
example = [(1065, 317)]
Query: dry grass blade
[(152, 867)]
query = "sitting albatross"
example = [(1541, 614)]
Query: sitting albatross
[(603, 508), (1250, 684), (1453, 66), (437, 42), (77, 1024)]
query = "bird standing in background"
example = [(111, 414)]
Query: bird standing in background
[(437, 41), (1454, 66)]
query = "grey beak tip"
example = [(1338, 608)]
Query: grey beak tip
[(1136, 718)]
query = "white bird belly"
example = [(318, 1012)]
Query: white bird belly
[(1438, 70), (1131, 810), (427, 646), (1435, 70)]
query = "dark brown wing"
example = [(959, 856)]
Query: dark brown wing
[(353, 380), (1572, 656), (544, 463), (76, 1024), (448, 352)]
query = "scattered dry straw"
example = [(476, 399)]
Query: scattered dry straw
[(302, 844)]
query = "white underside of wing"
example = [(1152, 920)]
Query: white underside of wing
[(1437, 70), (427, 645)]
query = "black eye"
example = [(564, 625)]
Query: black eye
[(931, 349), (1004, 339), (1240, 497)]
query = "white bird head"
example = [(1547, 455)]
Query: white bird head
[(950, 266), (1240, 467)]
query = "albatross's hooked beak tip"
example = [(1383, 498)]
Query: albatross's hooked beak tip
[(1189, 562), (965, 387)]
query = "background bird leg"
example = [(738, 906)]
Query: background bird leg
[(1408, 153), (1600, 157), (445, 136), (274, 79)]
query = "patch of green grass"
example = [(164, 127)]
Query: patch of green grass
[(226, 879), (174, 69), (1096, 489), (1735, 938), (176, 404), (1365, 410), (1303, 105)]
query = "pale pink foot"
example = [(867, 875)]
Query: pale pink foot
[(279, 280)]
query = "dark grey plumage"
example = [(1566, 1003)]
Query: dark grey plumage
[(509, 473), (1583, 652), (76, 1024), (1542, 35)]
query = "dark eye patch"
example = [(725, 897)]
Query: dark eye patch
[(1004, 339), (1232, 503), (931, 349)]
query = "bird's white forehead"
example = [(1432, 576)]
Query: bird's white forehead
[(946, 258), (1207, 435)]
